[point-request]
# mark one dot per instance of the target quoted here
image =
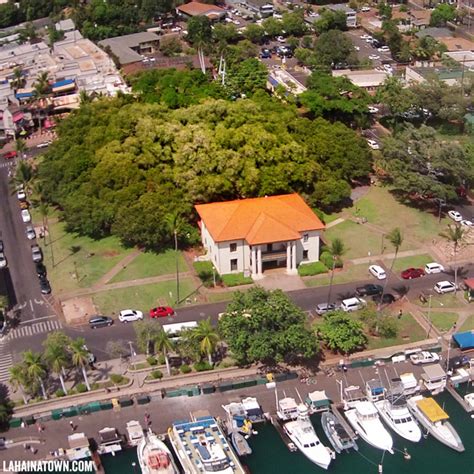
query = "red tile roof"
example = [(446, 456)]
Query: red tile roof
[(259, 220)]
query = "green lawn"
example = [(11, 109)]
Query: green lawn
[(416, 261), (443, 321), (219, 297), (348, 274), (468, 324), (141, 297), (78, 261), (442, 301), (149, 264)]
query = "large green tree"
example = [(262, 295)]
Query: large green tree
[(333, 47), (442, 14)]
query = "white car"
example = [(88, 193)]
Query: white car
[(352, 304), (467, 223), (445, 286), (280, 39), (424, 357), (43, 145), (372, 109), (127, 315), (176, 29), (364, 37), (357, 48), (433, 267), (378, 272), (30, 232), (384, 49), (373, 57), (25, 215), (369, 39), (3, 260), (365, 9), (20, 193), (373, 144), (455, 216), (387, 67)]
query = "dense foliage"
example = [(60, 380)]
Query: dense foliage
[(121, 166), (265, 326)]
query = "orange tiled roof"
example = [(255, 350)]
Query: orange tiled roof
[(259, 220), (197, 8)]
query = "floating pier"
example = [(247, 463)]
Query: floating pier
[(458, 398), (347, 427)]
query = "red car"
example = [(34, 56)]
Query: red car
[(9, 154), (410, 273), (161, 312)]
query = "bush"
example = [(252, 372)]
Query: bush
[(227, 362), (202, 366), (206, 274), (60, 393), (185, 369), (326, 258), (161, 359), (116, 378), (156, 374), (81, 388), (235, 279), (388, 327), (152, 360), (314, 268), (174, 371)]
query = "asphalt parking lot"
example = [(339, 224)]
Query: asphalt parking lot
[(366, 49)]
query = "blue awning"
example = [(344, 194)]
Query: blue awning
[(24, 95), (65, 82), (465, 340)]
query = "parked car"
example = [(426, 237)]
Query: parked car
[(424, 357), (378, 272), (45, 286), (265, 53), (24, 204), (20, 193), (373, 144), (374, 57), (43, 144), (25, 215), (30, 232), (364, 37), (455, 216), (9, 155), (372, 109), (1, 246), (365, 9), (323, 308), (444, 286), (100, 321), (369, 290), (127, 315), (467, 223), (3, 260), (410, 273), (352, 304), (384, 49), (434, 267), (387, 298), (40, 270), (36, 253), (280, 39), (458, 362), (161, 312), (3, 324)]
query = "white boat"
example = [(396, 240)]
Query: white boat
[(365, 420), (240, 444), (134, 432), (435, 420), (434, 378), (394, 412), (336, 434), (110, 441), (287, 409), (318, 401), (469, 399), (410, 384), (302, 434), (78, 447), (154, 456), (201, 446)]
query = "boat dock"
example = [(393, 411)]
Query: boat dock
[(458, 398), (278, 426), (340, 417)]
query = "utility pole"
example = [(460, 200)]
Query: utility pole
[(177, 263)]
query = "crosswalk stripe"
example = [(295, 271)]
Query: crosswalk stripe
[(33, 329)]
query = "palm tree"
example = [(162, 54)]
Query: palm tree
[(454, 234), (174, 222), (337, 250), (20, 146), (85, 98), (18, 379), (164, 345), (80, 357), (57, 359), (18, 80), (206, 335), (42, 90), (35, 368), (24, 177)]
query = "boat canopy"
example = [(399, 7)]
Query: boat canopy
[(318, 399), (366, 409), (432, 410), (433, 372)]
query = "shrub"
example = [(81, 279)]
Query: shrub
[(161, 359), (202, 366), (81, 388), (206, 274), (227, 362), (156, 374), (174, 371), (152, 360), (388, 327), (60, 393), (235, 279), (314, 268), (116, 378), (185, 369), (326, 258)]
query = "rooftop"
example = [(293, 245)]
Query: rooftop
[(434, 32), (197, 8), (259, 220), (367, 78), (122, 46), (457, 44)]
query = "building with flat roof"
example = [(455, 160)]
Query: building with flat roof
[(213, 12), (450, 76), (251, 235), (368, 79), (65, 25), (130, 48), (351, 16)]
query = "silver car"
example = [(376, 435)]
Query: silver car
[(30, 232), (323, 308)]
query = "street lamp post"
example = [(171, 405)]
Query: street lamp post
[(132, 354), (429, 317)]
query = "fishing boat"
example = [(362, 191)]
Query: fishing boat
[(409, 383), (237, 420), (302, 434), (154, 456), (201, 446), (435, 420), (317, 401), (394, 412), (287, 409), (336, 433), (365, 420), (240, 444), (434, 378), (134, 432), (110, 441)]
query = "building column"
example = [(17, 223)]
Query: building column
[(288, 257), (259, 262), (293, 258), (254, 261)]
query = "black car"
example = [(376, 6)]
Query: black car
[(458, 361), (1, 245), (100, 321), (41, 270), (45, 286), (369, 290), (265, 53), (387, 298)]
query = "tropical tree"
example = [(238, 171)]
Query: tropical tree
[(146, 333), (164, 345), (57, 359), (24, 176), (337, 250), (42, 90), (80, 357), (35, 368), (454, 234), (174, 223), (18, 80), (20, 146), (85, 97), (207, 336), (18, 379)]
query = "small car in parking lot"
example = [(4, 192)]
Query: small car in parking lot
[(323, 308), (1, 245), (100, 321), (127, 315), (24, 205), (424, 357), (36, 253), (378, 272), (410, 273), (455, 215), (265, 53), (369, 290), (384, 49), (434, 267), (352, 304), (467, 223), (25, 216), (444, 286), (161, 312), (9, 155), (40, 270), (30, 232), (45, 286), (20, 193), (373, 144), (374, 57)]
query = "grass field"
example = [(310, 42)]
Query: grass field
[(141, 297), (415, 261), (468, 325), (149, 264), (443, 321), (442, 301), (351, 273)]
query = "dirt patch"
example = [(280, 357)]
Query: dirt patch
[(110, 253), (78, 310)]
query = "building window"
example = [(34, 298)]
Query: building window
[(305, 254), (269, 247), (233, 265), (305, 237), (233, 247)]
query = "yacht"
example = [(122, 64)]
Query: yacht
[(336, 433), (365, 420), (435, 420), (110, 441), (154, 456), (394, 412), (318, 401), (287, 409), (302, 434), (201, 446), (134, 432), (434, 378)]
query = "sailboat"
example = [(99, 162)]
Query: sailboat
[(154, 456)]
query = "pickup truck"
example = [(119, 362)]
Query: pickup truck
[(36, 253)]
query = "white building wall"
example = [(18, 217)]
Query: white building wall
[(312, 245), (241, 254)]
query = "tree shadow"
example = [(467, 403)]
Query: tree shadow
[(74, 249), (101, 374), (401, 290), (463, 272)]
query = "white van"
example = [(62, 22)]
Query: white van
[(174, 330), (352, 304), (434, 267), (378, 272)]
